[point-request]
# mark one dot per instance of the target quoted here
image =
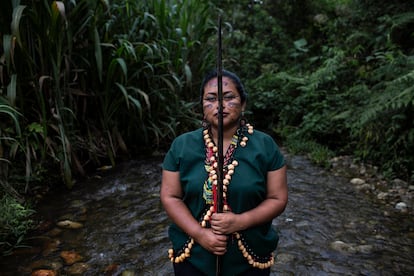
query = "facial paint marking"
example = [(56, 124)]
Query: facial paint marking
[(213, 83)]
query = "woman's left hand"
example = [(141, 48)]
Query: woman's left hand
[(225, 223)]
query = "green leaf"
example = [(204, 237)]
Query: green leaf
[(16, 18), (8, 49), (11, 90), (13, 114), (98, 53)]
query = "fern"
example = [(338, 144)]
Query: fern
[(325, 73), (401, 19), (406, 97)]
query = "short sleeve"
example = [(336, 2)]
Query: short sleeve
[(171, 162), (277, 160)]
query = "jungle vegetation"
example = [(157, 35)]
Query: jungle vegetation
[(89, 83)]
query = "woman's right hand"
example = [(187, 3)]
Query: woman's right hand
[(171, 198), (214, 243)]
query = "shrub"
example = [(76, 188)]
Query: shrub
[(15, 223)]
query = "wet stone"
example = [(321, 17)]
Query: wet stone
[(284, 258), (54, 232), (77, 269), (44, 272), (50, 247), (128, 273), (69, 224), (340, 246), (46, 264), (357, 181), (70, 257)]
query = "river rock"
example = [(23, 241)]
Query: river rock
[(357, 181), (45, 264), (364, 248), (402, 206), (111, 269), (54, 232), (382, 195), (364, 187), (70, 257), (128, 273), (398, 183), (302, 223), (352, 248), (69, 224), (77, 269), (340, 246), (50, 247), (284, 258), (44, 272)]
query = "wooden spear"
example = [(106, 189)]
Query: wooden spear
[(219, 199)]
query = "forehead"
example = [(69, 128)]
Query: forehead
[(212, 85)]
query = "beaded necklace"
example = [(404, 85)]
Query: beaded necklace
[(210, 190)]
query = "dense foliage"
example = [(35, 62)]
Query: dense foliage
[(331, 77), (85, 83)]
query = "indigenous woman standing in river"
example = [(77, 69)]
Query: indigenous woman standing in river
[(254, 191)]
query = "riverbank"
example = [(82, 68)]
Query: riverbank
[(397, 195)]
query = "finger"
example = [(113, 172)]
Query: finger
[(220, 250), (219, 253), (217, 232), (216, 228)]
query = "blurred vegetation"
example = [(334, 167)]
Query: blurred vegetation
[(331, 77), (88, 83)]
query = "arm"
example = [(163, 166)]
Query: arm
[(171, 198), (274, 204)]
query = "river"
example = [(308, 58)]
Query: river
[(328, 227)]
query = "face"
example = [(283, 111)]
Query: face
[(232, 106)]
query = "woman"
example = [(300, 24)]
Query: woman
[(255, 190)]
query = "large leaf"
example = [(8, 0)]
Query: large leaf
[(15, 24)]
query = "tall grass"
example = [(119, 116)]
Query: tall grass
[(95, 80), (85, 82)]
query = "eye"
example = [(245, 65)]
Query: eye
[(211, 99), (228, 98)]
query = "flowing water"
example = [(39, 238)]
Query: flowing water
[(328, 227)]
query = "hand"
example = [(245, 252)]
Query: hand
[(215, 243), (224, 223)]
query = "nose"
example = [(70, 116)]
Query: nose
[(224, 106)]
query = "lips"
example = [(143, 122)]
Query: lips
[(224, 114)]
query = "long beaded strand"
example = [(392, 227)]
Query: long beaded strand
[(211, 149)]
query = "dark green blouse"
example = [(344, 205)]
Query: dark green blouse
[(247, 189)]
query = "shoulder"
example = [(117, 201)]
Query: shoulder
[(262, 134), (268, 149), (191, 135), (263, 137), (188, 139), (183, 148)]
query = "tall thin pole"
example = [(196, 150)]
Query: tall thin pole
[(219, 199)]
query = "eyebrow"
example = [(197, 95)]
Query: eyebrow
[(224, 92)]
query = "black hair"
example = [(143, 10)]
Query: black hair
[(236, 80)]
